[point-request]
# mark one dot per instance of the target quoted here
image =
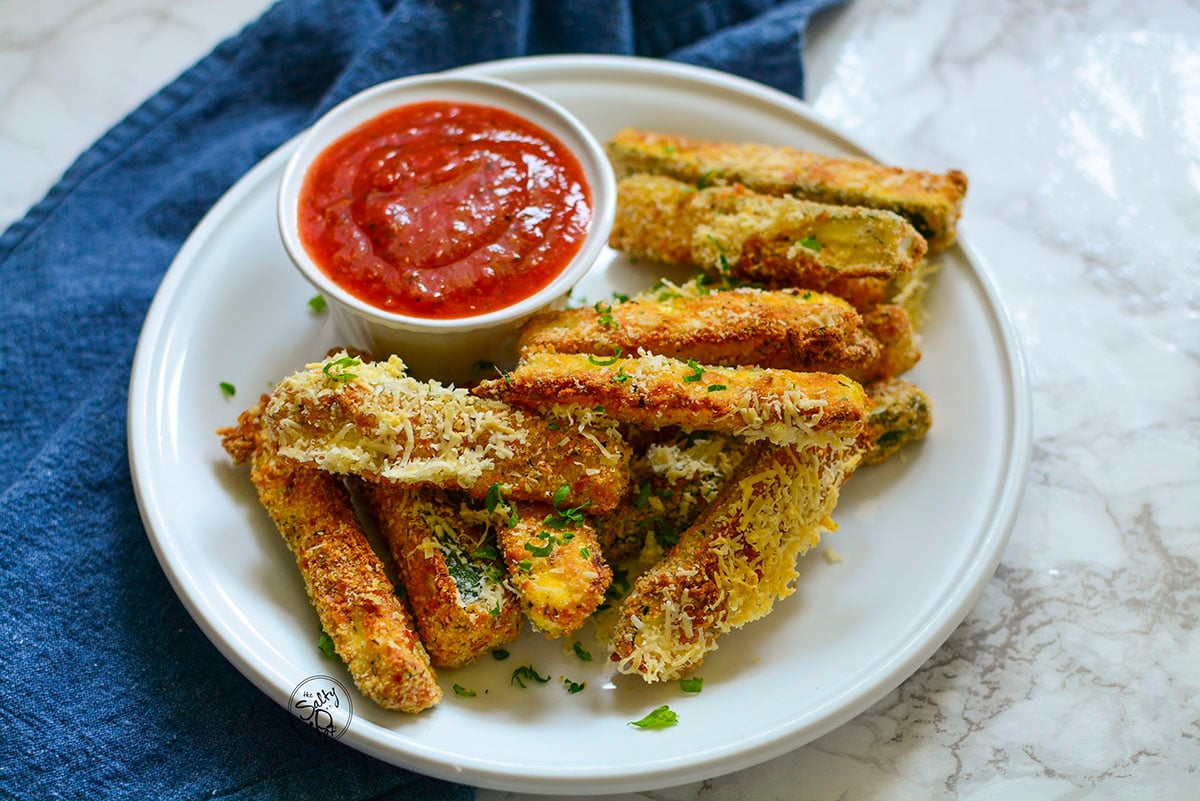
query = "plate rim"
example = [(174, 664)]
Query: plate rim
[(939, 624)]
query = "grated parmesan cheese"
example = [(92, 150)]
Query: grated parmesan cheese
[(373, 420), (735, 562)]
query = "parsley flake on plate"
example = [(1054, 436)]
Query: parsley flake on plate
[(662, 717), (527, 673)]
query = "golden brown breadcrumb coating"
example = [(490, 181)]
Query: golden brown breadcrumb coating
[(899, 349), (731, 566), (451, 577), (371, 629), (789, 329), (901, 413), (673, 481), (931, 201), (657, 391), (372, 420), (732, 231), (554, 565)]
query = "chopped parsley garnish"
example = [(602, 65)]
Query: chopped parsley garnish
[(606, 362), (325, 645), (342, 373), (527, 673), (643, 495), (692, 685), (525, 565), (463, 691), (562, 518), (229, 390), (696, 374), (495, 499), (664, 533), (706, 178), (659, 718), (617, 589), (584, 552), (573, 686), (620, 297), (621, 377), (485, 552), (705, 279), (499, 654), (811, 243), (540, 551), (716, 387), (604, 314), (581, 652), (317, 303)]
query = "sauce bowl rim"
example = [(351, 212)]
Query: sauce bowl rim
[(453, 87)]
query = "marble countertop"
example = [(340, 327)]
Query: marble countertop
[(1077, 674)]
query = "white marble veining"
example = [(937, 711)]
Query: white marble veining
[(71, 69), (1077, 674)]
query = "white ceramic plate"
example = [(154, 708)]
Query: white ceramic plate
[(920, 536)]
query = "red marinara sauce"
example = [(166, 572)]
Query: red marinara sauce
[(444, 210)]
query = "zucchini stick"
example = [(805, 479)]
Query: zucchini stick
[(931, 201), (789, 329), (555, 565), (656, 391), (452, 576), (730, 231), (371, 629), (372, 420), (731, 566)]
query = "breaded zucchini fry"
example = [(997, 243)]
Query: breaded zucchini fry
[(906, 290), (356, 603), (900, 413), (372, 420), (657, 391), (731, 566), (673, 481), (555, 566), (892, 328), (453, 578), (730, 230), (932, 202), (789, 329)]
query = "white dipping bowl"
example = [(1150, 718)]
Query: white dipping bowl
[(448, 350)]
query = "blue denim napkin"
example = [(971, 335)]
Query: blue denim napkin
[(107, 687)]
